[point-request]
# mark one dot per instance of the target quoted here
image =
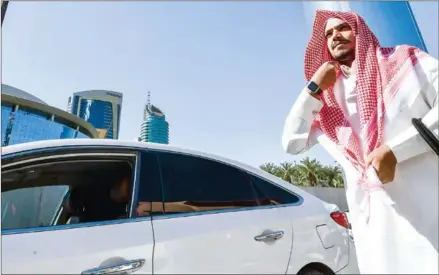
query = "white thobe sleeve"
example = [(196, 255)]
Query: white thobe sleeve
[(299, 132), (409, 143)]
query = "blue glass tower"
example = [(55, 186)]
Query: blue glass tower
[(26, 118), (101, 108), (392, 22), (154, 127)]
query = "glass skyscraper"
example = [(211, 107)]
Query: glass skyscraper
[(26, 118), (101, 108), (154, 127)]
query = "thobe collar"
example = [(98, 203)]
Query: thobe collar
[(349, 72)]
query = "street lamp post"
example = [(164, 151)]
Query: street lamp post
[(4, 8)]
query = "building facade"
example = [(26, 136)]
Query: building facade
[(393, 22), (154, 127), (26, 118), (101, 108)]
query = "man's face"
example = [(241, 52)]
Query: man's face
[(340, 40), (121, 192)]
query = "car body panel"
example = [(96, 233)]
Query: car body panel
[(222, 242), (72, 250), (307, 246), (186, 243), (325, 236)]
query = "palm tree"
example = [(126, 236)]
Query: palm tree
[(332, 176), (270, 167), (286, 171), (289, 172), (307, 173), (311, 170)]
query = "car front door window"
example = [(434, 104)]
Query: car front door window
[(66, 190)]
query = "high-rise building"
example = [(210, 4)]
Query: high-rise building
[(154, 127), (26, 118), (101, 108)]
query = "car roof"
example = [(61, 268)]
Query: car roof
[(17, 148), (45, 144), (56, 143)]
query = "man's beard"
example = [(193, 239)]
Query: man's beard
[(345, 56)]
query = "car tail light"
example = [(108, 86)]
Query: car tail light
[(341, 219)]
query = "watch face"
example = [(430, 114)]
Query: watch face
[(313, 87)]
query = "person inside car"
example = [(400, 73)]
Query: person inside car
[(112, 203), (101, 202)]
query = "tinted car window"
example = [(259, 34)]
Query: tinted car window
[(269, 193), (199, 184), (149, 180), (150, 186)]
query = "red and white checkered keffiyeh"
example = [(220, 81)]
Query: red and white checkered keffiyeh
[(379, 72)]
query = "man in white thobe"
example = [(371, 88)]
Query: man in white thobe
[(358, 104)]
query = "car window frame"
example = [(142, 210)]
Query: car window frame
[(57, 215), (144, 176), (29, 157), (247, 172)]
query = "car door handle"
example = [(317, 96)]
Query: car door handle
[(269, 236), (123, 268)]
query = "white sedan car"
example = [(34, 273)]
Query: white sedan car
[(107, 206)]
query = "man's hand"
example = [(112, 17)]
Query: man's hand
[(384, 162), (326, 75), (143, 209)]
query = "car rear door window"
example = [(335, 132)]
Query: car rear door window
[(194, 184), (269, 193)]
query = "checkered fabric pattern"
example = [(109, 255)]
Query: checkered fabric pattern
[(376, 70)]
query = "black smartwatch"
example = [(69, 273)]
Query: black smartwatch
[(314, 88)]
